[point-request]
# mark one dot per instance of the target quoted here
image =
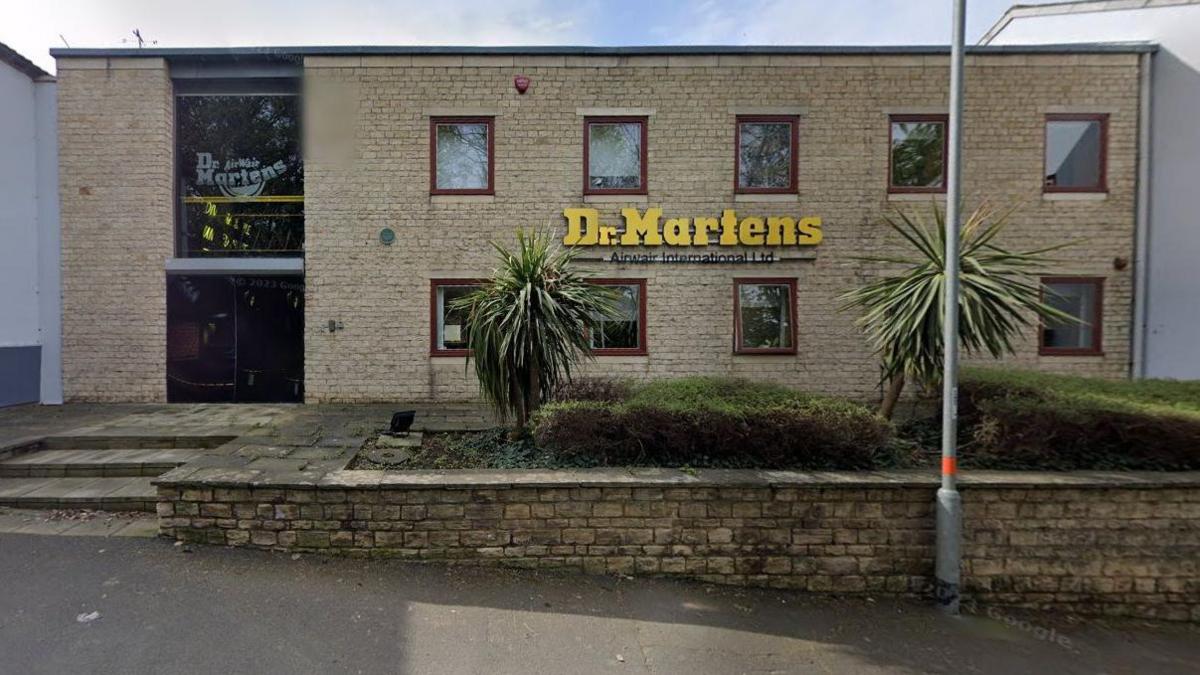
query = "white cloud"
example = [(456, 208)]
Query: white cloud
[(33, 27)]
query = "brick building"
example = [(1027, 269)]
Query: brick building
[(289, 224)]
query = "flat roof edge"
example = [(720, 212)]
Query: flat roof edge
[(283, 52)]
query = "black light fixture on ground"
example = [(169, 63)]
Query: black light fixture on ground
[(947, 570)]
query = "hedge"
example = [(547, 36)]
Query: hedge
[(711, 422), (1027, 420)]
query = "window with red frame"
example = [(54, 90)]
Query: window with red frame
[(1075, 153), (626, 333), (448, 323), (461, 155), (764, 311), (917, 153), (1081, 298), (765, 151), (614, 155)]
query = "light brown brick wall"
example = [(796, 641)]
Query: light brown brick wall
[(116, 180), (1115, 551), (117, 199), (381, 293)]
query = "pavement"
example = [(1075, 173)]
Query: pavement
[(75, 604)]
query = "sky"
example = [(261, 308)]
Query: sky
[(32, 27)]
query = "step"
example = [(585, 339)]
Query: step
[(128, 493), (96, 463)]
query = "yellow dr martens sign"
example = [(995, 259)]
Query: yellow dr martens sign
[(649, 229)]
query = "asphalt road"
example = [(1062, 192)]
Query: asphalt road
[(163, 610)]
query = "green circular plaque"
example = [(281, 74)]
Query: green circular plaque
[(387, 236)]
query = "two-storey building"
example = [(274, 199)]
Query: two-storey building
[(273, 224)]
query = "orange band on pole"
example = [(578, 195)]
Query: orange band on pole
[(950, 466)]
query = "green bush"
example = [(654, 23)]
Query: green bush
[(714, 422), (1027, 420)]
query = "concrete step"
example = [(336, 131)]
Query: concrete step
[(96, 463), (130, 493)]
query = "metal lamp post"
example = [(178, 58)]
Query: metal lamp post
[(949, 503)]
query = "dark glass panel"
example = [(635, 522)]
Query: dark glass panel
[(241, 176)]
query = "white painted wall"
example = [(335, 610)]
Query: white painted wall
[(1173, 308), (19, 310), (30, 288), (49, 241)]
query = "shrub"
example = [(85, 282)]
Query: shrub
[(593, 389), (1024, 420), (714, 422)]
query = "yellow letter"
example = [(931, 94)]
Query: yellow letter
[(581, 227), (703, 227), (729, 224), (781, 231), (750, 232), (676, 232), (608, 235), (810, 231), (641, 229)]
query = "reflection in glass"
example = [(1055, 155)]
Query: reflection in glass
[(614, 156), (451, 325), (620, 332), (1079, 301), (240, 175), (1073, 153), (918, 154), (766, 316), (462, 156), (235, 339), (764, 154)]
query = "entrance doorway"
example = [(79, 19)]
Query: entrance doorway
[(235, 339)]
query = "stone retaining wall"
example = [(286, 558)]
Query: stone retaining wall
[(1123, 544)]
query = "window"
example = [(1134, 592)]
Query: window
[(625, 335), (764, 320), (766, 154), (461, 155), (449, 324), (918, 153), (240, 176), (235, 339), (614, 155), (1075, 153), (1082, 298)]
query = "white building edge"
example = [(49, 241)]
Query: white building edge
[(1167, 314), (30, 287)]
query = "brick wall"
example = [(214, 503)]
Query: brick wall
[(1049, 545), (1115, 551), (116, 186), (367, 164), (381, 293)]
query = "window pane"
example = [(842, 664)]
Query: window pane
[(241, 176), (917, 159), (1073, 153), (615, 156), (764, 154), (1078, 300), (235, 339), (452, 329), (621, 332), (462, 156), (766, 316)]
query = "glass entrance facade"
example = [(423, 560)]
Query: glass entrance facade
[(235, 339), (237, 336)]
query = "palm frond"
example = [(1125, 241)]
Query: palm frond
[(999, 294), (529, 326)]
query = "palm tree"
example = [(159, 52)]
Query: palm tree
[(530, 324), (902, 313)]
